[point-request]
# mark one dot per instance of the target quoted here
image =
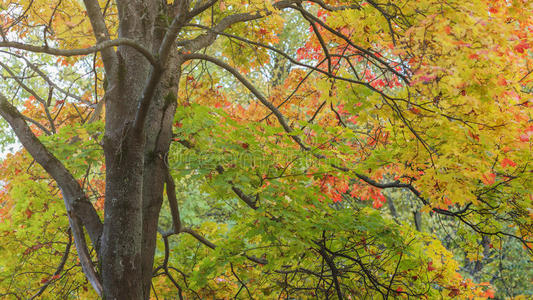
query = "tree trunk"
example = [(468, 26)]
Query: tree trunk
[(121, 240), (124, 156), (158, 130), (134, 186)]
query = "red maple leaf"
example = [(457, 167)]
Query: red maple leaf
[(430, 266), (489, 179), (507, 162)]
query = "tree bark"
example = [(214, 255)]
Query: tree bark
[(124, 148), (158, 130)]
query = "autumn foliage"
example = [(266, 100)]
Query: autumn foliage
[(317, 149)]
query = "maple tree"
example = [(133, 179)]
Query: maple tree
[(227, 148)]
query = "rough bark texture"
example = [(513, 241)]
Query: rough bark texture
[(121, 252), (158, 130)]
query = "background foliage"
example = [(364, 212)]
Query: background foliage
[(406, 170)]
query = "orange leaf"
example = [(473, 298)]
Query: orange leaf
[(489, 179), (489, 293), (507, 162)]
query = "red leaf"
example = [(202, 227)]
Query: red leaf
[(377, 204), (520, 48), (414, 110), (336, 197), (352, 119), (473, 136), (489, 293), (507, 162), (430, 266), (502, 81), (489, 179), (454, 292), (28, 213)]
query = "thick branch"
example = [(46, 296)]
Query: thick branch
[(334, 271), (206, 242), (173, 202), (100, 46), (200, 7), (320, 40), (100, 32), (80, 211), (164, 52), (39, 125), (199, 237), (72, 191), (335, 8), (48, 79), (207, 39)]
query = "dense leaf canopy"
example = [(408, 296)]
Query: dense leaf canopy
[(280, 149)]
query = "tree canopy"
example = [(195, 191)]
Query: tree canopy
[(268, 149)]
